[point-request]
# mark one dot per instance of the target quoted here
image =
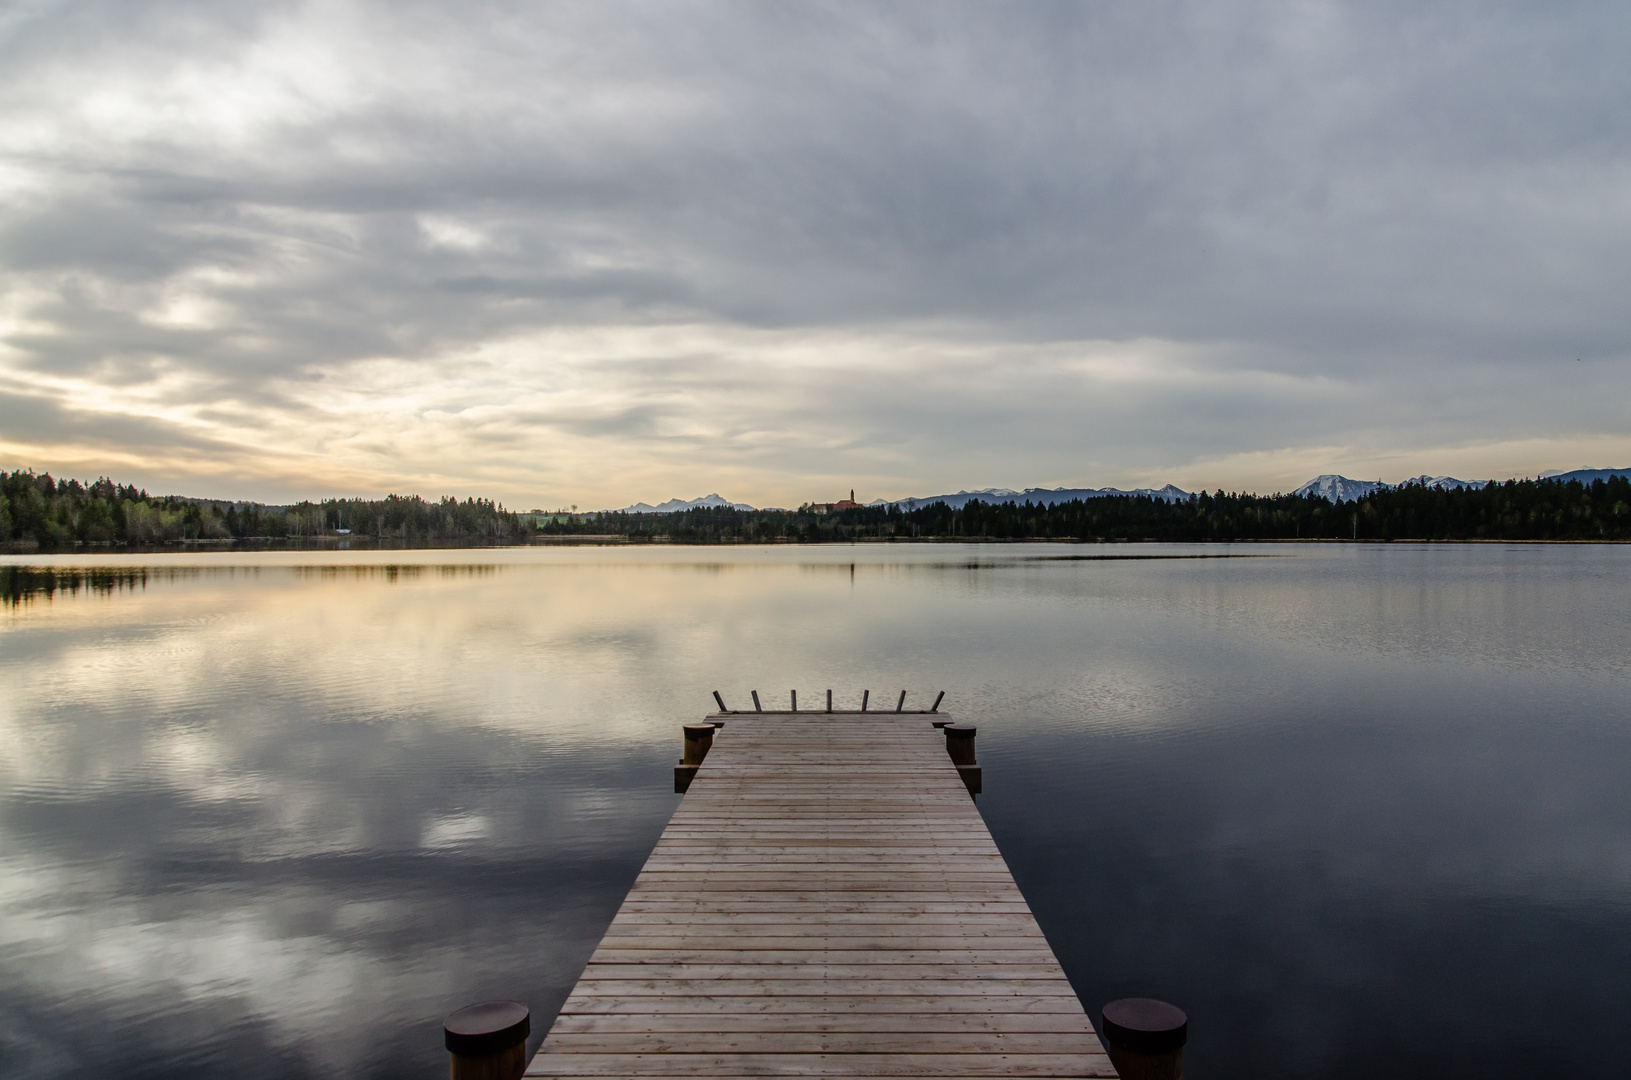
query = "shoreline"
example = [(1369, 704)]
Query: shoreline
[(11, 554)]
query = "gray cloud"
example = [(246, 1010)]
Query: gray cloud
[(1395, 198)]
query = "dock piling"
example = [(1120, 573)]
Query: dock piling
[(795, 694), (698, 738), (901, 704), (1145, 1038), (721, 702), (960, 745), (756, 707), (829, 701), (864, 695), (932, 708), (488, 1040)]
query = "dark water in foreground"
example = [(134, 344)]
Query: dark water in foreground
[(1361, 810)]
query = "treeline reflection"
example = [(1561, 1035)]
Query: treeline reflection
[(21, 585)]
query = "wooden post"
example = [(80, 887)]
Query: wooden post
[(721, 702), (829, 701), (756, 701), (932, 708), (960, 745), (698, 738), (901, 704), (488, 1041), (795, 694), (1145, 1038), (864, 695)]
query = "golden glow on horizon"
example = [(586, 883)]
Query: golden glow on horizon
[(606, 416)]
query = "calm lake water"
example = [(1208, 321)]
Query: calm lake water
[(1361, 810)]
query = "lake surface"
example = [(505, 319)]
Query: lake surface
[(1361, 810)]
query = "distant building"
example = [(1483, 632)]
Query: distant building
[(833, 507)]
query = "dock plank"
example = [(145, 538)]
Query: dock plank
[(825, 902)]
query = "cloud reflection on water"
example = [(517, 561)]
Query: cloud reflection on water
[(266, 801)]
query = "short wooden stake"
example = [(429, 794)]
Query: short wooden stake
[(488, 1040), (960, 746), (864, 695), (756, 701), (795, 694), (932, 708), (829, 701), (901, 704), (1145, 1038), (698, 739), (721, 702)]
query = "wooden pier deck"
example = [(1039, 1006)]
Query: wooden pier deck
[(826, 901)]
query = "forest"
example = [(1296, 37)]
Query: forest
[(1515, 510), (38, 512)]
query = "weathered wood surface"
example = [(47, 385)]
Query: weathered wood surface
[(826, 901)]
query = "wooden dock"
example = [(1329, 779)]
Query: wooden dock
[(826, 901)]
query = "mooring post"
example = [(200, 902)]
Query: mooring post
[(698, 738), (795, 700), (960, 745), (932, 708), (488, 1040), (829, 701), (756, 701), (864, 695), (1145, 1038), (721, 702), (901, 704)]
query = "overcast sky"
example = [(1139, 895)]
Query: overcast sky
[(591, 253)]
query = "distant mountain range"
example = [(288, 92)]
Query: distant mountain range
[(1585, 476), (1039, 496), (675, 506), (1329, 486), (1341, 489)]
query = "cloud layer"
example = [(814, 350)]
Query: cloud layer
[(598, 252)]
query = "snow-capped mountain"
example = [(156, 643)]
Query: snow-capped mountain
[(1447, 482), (1339, 488), (1040, 496), (674, 506)]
